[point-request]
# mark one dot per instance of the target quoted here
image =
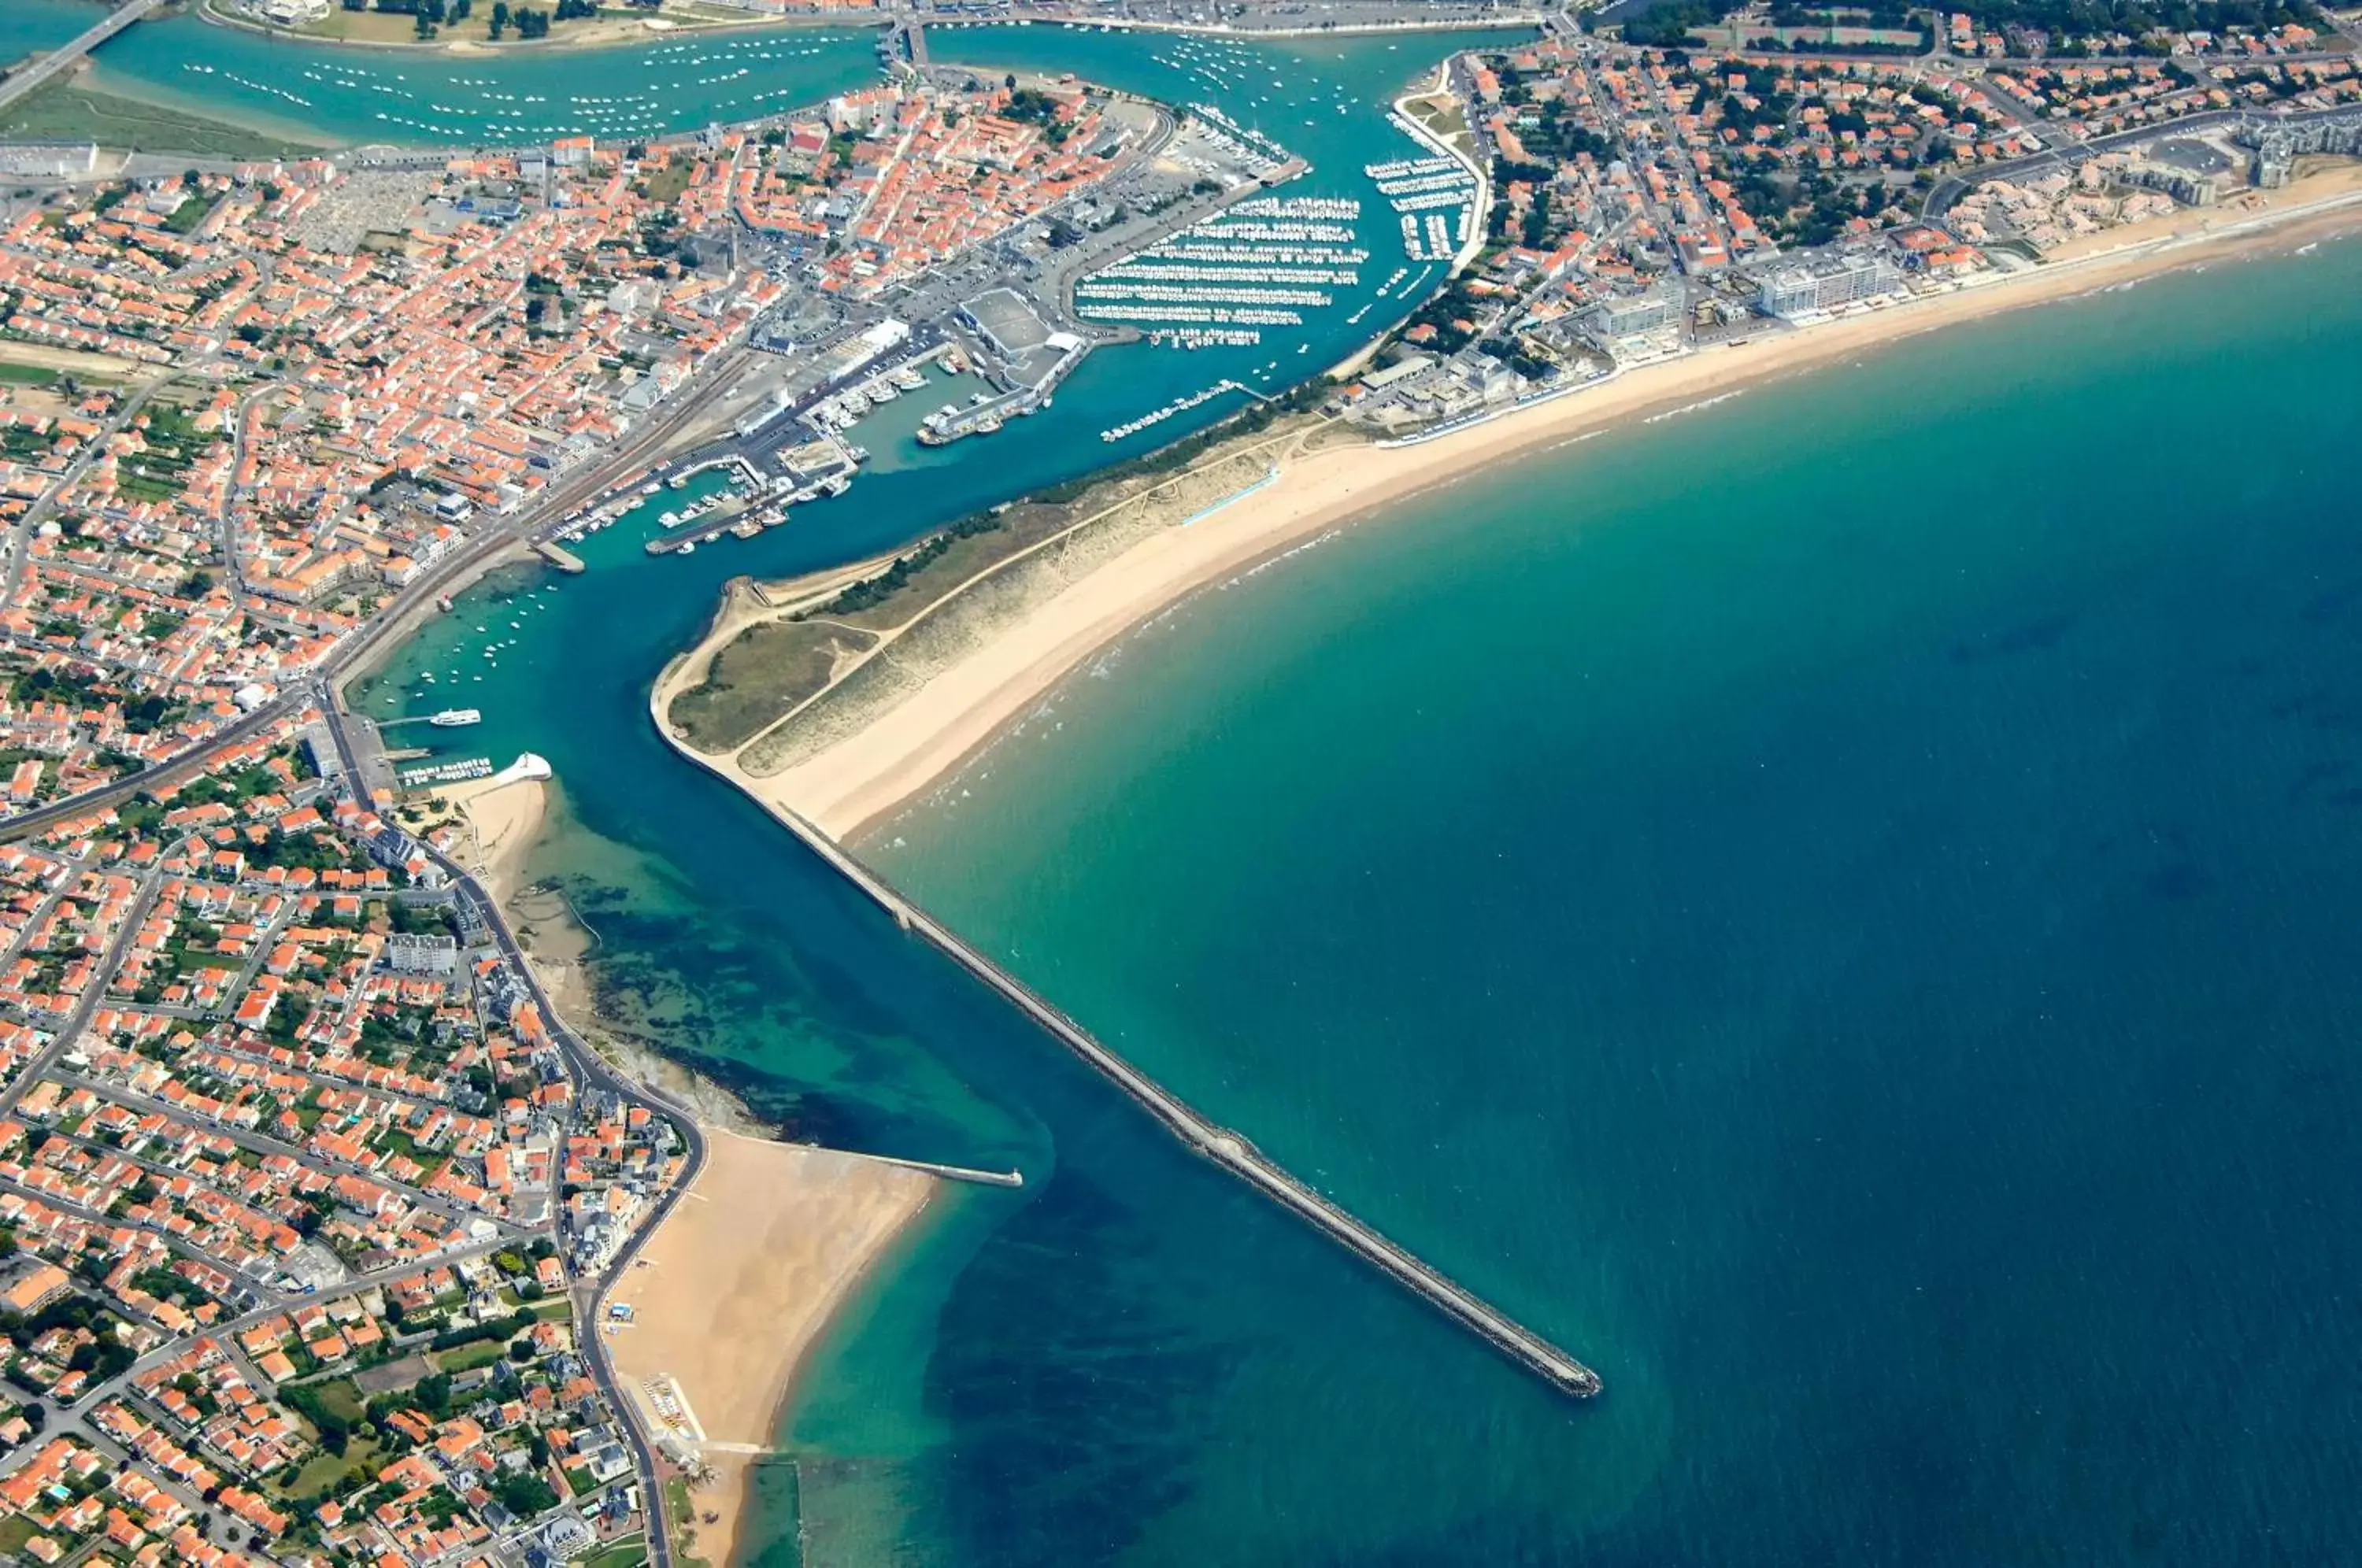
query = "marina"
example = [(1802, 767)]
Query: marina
[(1178, 405), (463, 770), (1260, 263), (1435, 197), (1144, 385)]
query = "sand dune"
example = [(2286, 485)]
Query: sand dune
[(854, 779)]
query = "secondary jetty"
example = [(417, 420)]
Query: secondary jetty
[(1225, 1148)]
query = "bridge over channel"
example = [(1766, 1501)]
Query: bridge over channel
[(63, 58)]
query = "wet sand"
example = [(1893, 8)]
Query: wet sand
[(736, 1288), (503, 821)]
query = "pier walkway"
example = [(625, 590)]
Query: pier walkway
[(558, 555), (1224, 1147), (952, 1173), (63, 57)]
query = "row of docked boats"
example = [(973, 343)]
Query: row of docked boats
[(1156, 417), (1261, 263)]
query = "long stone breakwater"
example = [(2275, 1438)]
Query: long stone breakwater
[(1220, 1145)]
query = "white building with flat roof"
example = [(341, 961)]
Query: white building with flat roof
[(291, 13), (1811, 289)]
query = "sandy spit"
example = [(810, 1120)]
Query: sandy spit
[(855, 780)]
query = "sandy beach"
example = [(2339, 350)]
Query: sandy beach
[(503, 819), (735, 1287), (859, 778)]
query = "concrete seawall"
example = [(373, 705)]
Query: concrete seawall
[(1221, 1145)]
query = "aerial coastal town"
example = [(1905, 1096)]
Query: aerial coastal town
[(307, 1199), (310, 1203), (1786, 165), (299, 1181)]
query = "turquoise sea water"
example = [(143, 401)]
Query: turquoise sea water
[(29, 25), (1834, 906)]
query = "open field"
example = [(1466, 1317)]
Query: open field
[(761, 674), (30, 364), (394, 29)]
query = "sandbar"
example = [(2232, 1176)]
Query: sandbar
[(735, 1287)]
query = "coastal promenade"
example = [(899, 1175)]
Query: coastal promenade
[(1225, 1147)]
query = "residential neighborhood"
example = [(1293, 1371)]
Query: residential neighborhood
[(297, 1185), (1647, 199)]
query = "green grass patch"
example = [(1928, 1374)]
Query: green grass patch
[(67, 111), (763, 672), (323, 1472), (15, 1531), (192, 212), (682, 1512), (467, 1358), (341, 1396), (628, 1552), (26, 375), (137, 486), (395, 1141), (666, 183)]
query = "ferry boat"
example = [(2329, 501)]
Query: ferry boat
[(454, 718)]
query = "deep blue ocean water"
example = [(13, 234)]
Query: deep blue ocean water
[(1835, 906), (1838, 906)]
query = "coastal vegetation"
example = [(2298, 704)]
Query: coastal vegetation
[(69, 111), (384, 23), (772, 667), (768, 669), (760, 674)]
